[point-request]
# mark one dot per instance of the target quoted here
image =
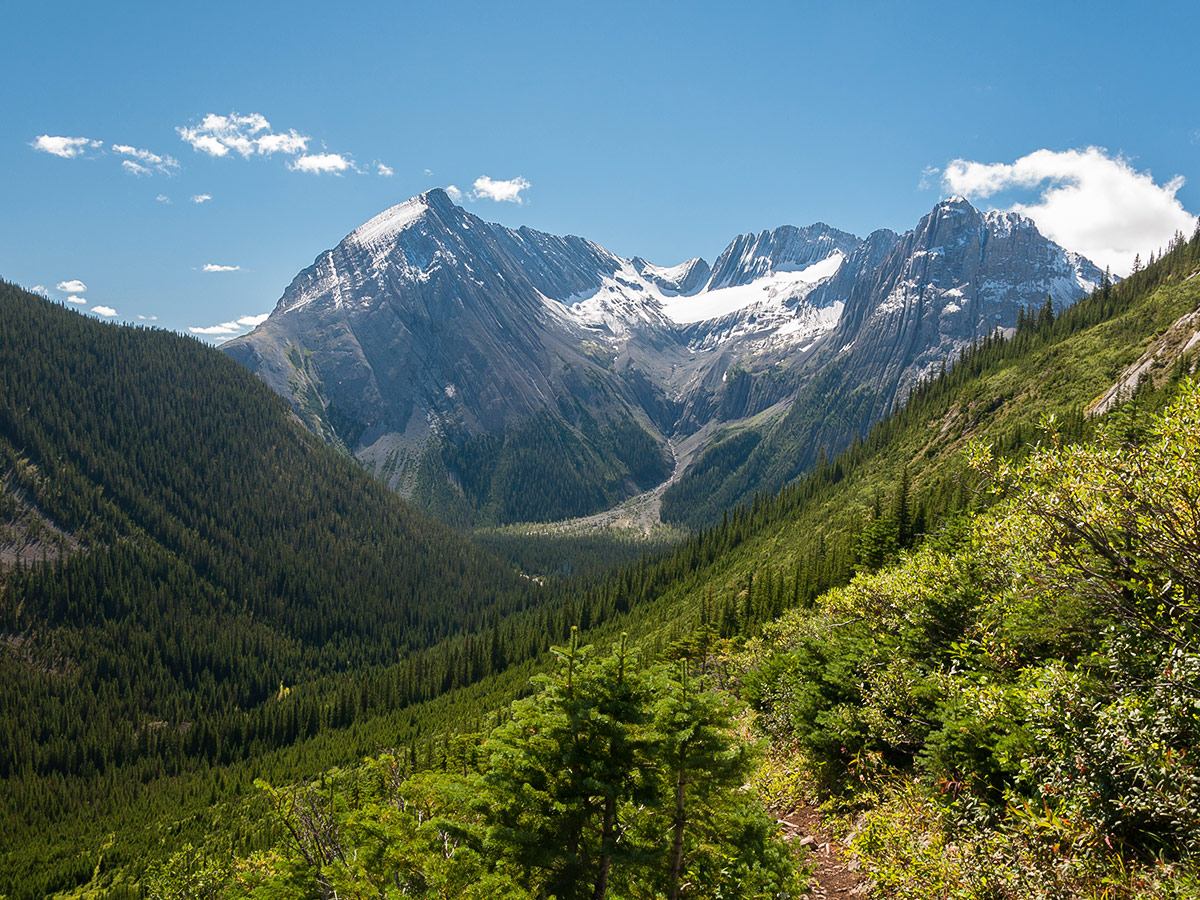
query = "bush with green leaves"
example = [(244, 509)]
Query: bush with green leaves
[(1042, 667)]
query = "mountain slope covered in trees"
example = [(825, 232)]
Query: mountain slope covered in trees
[(192, 555)]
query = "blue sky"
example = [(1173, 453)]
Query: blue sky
[(656, 129)]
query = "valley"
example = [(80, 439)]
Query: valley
[(541, 451), (278, 672)]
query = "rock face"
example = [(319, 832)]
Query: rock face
[(915, 300), (502, 374)]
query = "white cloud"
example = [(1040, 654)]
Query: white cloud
[(74, 286), (38, 289), (72, 298), (290, 143), (146, 161), (928, 176), (206, 142), (148, 318), (429, 171), (233, 327), (135, 168), (455, 194), (385, 171), (213, 267), (320, 162), (163, 198), (104, 311), (246, 135), (66, 147), (500, 191), (201, 198), (1087, 201)]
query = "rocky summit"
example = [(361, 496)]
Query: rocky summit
[(497, 374)]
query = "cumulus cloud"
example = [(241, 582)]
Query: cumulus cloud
[(233, 327), (38, 289), (247, 136), (1088, 201), (385, 171), (143, 162), (201, 198), (66, 147), (501, 191), (106, 311), (289, 143), (455, 194), (72, 298), (213, 267), (74, 286), (320, 162)]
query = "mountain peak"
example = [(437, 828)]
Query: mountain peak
[(436, 198), (396, 219), (783, 249), (393, 220)]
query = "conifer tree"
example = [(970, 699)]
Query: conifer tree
[(558, 772)]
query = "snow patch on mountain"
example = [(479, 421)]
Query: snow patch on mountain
[(780, 287), (389, 223)]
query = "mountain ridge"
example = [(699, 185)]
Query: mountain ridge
[(463, 360)]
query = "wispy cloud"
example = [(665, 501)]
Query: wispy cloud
[(230, 328), (163, 198), (384, 170), (500, 191), (247, 136), (213, 267), (1087, 200), (148, 318), (320, 162), (74, 286), (66, 147), (38, 289), (106, 311), (455, 194), (143, 162), (201, 198)]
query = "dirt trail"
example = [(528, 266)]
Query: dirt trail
[(836, 879)]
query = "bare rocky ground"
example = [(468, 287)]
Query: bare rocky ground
[(836, 877)]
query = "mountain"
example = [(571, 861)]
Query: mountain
[(505, 375), (438, 348), (909, 304)]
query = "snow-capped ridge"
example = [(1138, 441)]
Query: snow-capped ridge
[(389, 223), (687, 277), (784, 249)]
